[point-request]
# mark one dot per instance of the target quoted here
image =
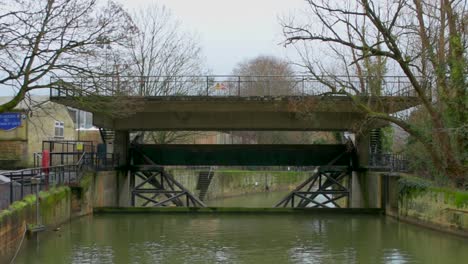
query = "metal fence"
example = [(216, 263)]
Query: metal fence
[(225, 85), (15, 185), (94, 159), (389, 162)]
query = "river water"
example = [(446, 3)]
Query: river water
[(242, 238)]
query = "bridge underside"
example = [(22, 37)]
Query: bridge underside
[(243, 155), (319, 113)]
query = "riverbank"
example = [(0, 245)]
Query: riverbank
[(417, 201)]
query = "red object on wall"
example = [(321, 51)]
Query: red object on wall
[(45, 167), (45, 161)]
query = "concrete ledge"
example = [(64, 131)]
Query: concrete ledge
[(235, 210), (414, 221)]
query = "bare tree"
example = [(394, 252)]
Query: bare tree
[(425, 41), (265, 76), (270, 76), (161, 51), (42, 39), (165, 60)]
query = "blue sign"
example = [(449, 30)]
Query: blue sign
[(9, 121)]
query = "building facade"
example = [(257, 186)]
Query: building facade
[(22, 130)]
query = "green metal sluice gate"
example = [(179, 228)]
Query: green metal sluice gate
[(153, 186), (242, 155)]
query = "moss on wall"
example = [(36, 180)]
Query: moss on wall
[(422, 201), (48, 199), (54, 209)]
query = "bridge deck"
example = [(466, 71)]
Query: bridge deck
[(231, 113)]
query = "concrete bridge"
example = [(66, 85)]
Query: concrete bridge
[(217, 103)]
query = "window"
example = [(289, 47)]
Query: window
[(82, 119), (59, 127)]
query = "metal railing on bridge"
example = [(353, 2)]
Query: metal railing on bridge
[(225, 85), (388, 162)]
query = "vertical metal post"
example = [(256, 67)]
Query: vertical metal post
[(22, 184), (320, 181), (350, 174), (162, 180), (132, 188), (11, 190), (38, 214), (207, 86), (238, 86)]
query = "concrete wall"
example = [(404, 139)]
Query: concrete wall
[(239, 182), (437, 208), (366, 190)]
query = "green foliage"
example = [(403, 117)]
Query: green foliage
[(410, 187), (459, 198), (387, 139), (319, 141), (86, 181)]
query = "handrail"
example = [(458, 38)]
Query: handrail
[(222, 85), (80, 161)]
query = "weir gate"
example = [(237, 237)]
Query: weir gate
[(228, 104)]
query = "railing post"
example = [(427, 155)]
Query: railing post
[(22, 184), (11, 190), (238, 86), (207, 86)]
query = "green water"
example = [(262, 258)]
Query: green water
[(242, 238)]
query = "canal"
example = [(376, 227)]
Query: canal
[(242, 238)]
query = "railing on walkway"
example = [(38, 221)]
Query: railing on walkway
[(389, 162), (98, 161), (223, 85), (15, 185)]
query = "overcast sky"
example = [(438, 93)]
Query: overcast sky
[(231, 30)]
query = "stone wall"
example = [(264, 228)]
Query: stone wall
[(54, 207), (416, 201)]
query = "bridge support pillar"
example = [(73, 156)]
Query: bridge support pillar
[(359, 177), (122, 146), (121, 150)]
